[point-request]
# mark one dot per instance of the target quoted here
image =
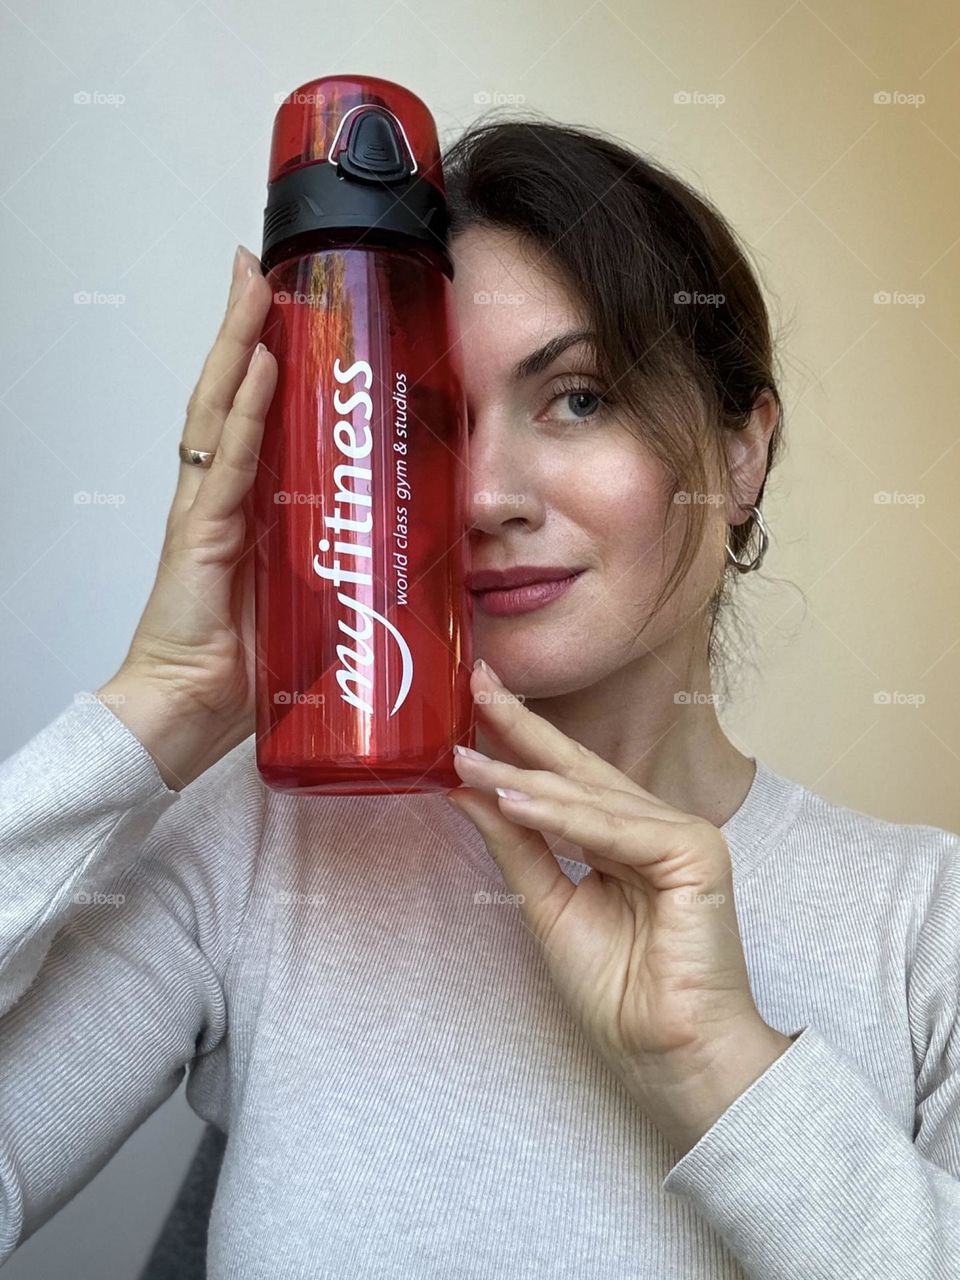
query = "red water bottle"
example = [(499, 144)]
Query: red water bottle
[(363, 624)]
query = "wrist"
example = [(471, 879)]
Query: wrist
[(691, 1095), (183, 740)]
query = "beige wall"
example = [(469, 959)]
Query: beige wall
[(838, 197)]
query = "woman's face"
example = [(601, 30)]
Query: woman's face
[(555, 479)]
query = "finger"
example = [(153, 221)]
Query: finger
[(528, 867), (228, 480), (488, 774), (222, 373), (669, 854), (531, 738)]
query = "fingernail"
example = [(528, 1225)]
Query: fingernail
[(482, 666), (237, 259), (469, 753), (258, 351), (242, 271), (507, 793)]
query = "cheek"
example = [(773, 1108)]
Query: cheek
[(641, 538), (629, 502), (636, 530)]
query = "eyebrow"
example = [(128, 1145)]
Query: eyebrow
[(544, 356)]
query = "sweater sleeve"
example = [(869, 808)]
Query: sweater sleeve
[(808, 1175), (118, 915)]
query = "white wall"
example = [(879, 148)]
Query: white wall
[(839, 196)]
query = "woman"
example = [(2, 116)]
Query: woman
[(479, 1034)]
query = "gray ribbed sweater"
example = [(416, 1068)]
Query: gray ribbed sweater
[(404, 1093)]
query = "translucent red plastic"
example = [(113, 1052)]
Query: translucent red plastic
[(363, 623)]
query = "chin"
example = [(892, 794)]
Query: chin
[(531, 674)]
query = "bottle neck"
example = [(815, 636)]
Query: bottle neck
[(369, 238)]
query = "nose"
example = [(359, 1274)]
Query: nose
[(501, 488)]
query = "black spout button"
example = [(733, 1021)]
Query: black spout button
[(375, 152)]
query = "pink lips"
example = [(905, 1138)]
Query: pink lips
[(523, 599)]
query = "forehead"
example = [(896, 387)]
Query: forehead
[(509, 298)]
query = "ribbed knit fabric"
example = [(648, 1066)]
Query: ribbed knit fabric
[(403, 1091)]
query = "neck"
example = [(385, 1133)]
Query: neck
[(675, 750)]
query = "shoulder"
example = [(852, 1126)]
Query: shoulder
[(917, 845), (918, 848), (910, 869)]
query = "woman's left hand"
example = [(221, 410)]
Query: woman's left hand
[(645, 950)]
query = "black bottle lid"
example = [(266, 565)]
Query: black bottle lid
[(364, 185)]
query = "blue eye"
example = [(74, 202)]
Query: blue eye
[(580, 398)]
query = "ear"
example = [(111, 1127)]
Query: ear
[(747, 451)]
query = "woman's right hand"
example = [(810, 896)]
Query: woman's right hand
[(186, 687)]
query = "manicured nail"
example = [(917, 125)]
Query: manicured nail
[(234, 277), (469, 753), (506, 793), (482, 666)]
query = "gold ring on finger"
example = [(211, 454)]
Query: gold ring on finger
[(195, 457)]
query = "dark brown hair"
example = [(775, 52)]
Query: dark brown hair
[(683, 335)]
